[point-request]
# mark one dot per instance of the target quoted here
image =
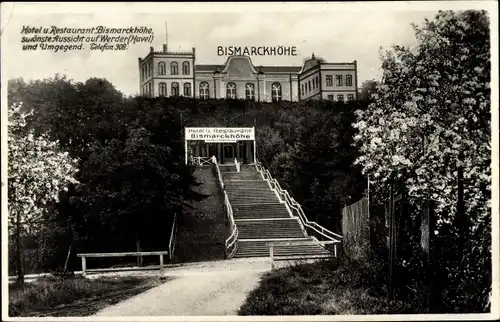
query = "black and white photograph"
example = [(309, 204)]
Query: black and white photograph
[(250, 160)]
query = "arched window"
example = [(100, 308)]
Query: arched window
[(187, 89), (162, 89), (250, 92), (231, 90), (162, 68), (276, 91), (174, 68), (175, 89), (204, 90), (185, 68)]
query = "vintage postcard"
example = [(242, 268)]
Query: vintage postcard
[(250, 161)]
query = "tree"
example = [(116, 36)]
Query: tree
[(431, 117), (368, 88), (37, 172)]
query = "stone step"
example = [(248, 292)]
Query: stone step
[(264, 212), (250, 193), (270, 235), (271, 196), (242, 216), (250, 201), (276, 205), (250, 184), (259, 248)]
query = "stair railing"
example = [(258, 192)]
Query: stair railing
[(237, 164), (296, 209), (231, 243), (173, 236)]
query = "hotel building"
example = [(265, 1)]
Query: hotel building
[(167, 73)]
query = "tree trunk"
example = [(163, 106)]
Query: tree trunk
[(20, 271)]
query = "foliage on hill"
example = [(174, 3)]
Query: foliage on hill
[(131, 170)]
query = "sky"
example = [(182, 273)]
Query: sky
[(337, 32)]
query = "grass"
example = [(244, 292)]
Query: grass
[(75, 296), (202, 230), (324, 288)]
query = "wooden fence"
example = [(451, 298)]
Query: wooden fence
[(356, 229)]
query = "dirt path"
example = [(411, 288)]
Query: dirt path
[(210, 288)]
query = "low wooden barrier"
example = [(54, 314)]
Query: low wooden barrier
[(88, 255), (274, 258)]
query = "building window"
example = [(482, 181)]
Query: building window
[(330, 97), (317, 82), (162, 68), (175, 89), (185, 68), (276, 92), (302, 90), (162, 89), (204, 90), (231, 90), (329, 80), (250, 92), (174, 68), (348, 80), (340, 98), (314, 83), (338, 79), (187, 89), (308, 86), (350, 97)]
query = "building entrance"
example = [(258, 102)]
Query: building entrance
[(226, 144), (228, 152)]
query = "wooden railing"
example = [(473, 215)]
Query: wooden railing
[(321, 234), (231, 243), (201, 161), (275, 258), (173, 237), (90, 255)]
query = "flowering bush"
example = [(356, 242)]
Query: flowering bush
[(430, 117), (37, 171)]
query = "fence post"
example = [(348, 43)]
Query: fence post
[(391, 244), (271, 253), (335, 250), (161, 262), (84, 266)]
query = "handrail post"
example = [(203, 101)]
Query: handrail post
[(335, 250), (161, 262), (271, 254), (84, 266)]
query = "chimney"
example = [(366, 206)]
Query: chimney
[(151, 49), (165, 48)]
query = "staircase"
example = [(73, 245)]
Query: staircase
[(261, 218)]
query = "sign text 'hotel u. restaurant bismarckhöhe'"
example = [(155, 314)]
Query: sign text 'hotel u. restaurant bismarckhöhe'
[(220, 134)]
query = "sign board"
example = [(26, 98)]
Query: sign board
[(220, 134)]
